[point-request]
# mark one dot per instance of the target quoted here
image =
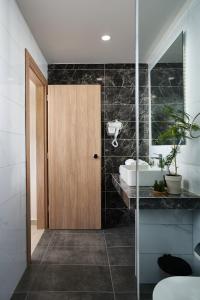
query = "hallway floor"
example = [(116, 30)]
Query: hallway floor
[(82, 265), (35, 236)]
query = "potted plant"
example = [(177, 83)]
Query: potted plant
[(159, 188), (177, 133)]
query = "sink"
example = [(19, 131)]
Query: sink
[(147, 175)]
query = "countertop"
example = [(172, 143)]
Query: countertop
[(148, 200)]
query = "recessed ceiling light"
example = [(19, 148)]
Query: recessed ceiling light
[(106, 37)]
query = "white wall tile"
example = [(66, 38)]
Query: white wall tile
[(12, 181), (15, 36), (174, 239), (189, 157), (191, 177), (12, 117), (12, 83), (165, 216), (12, 149)]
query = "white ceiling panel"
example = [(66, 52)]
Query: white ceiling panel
[(69, 31)]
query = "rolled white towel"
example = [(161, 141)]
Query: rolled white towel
[(142, 162), (130, 162)]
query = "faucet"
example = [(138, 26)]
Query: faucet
[(160, 158)]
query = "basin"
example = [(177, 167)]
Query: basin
[(147, 175)]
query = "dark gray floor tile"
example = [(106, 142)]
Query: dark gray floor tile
[(72, 278), (122, 240), (124, 279), (121, 256), (70, 296), (126, 296), (146, 297), (147, 288), (37, 255), (76, 255), (46, 237), (78, 240), (27, 279), (121, 230), (74, 231), (132, 296), (20, 296)]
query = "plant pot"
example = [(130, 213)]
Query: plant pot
[(173, 184)]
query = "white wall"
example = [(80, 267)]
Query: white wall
[(189, 158), (14, 37)]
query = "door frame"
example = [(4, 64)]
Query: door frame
[(31, 66)]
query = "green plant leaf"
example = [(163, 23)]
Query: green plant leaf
[(177, 133)]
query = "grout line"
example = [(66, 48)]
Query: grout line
[(109, 266), (65, 291), (82, 265), (46, 291), (76, 233), (75, 246), (104, 124)]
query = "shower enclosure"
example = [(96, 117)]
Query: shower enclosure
[(167, 103)]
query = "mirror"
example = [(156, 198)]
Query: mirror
[(167, 88)]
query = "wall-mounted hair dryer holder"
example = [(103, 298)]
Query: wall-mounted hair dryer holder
[(113, 129)]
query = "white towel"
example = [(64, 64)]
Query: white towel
[(130, 162)]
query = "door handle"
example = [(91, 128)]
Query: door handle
[(95, 156)]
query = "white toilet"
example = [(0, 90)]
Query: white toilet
[(178, 288)]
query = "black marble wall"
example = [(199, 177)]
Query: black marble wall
[(166, 89), (118, 102)]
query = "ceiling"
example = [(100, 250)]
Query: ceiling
[(69, 31)]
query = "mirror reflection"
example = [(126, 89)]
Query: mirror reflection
[(167, 88)]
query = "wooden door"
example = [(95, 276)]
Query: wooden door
[(74, 136)]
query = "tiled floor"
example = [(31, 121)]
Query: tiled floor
[(81, 265)]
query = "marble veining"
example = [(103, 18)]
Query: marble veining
[(119, 78), (65, 76), (123, 112), (76, 67), (166, 88), (159, 115), (120, 95), (148, 200), (163, 77), (117, 102), (167, 94)]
